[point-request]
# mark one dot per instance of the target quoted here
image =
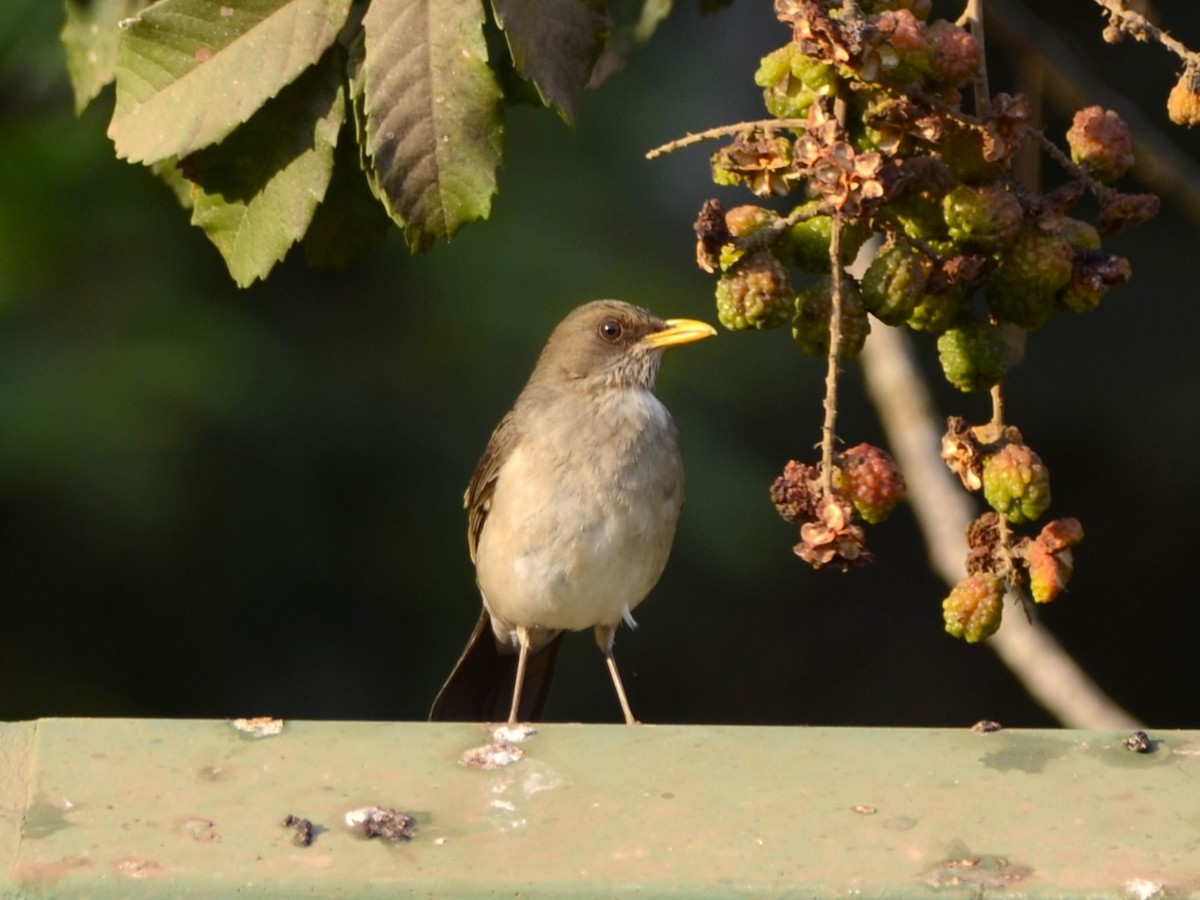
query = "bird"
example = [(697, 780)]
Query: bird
[(571, 510)]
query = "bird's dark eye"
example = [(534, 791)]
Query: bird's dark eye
[(610, 329)]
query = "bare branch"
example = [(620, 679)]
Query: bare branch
[(1140, 28), (1071, 83)]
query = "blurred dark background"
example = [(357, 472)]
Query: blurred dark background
[(217, 502)]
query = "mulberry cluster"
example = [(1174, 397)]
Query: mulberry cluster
[(966, 250), (1016, 485), (872, 175), (867, 486)]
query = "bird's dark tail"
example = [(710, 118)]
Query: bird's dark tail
[(480, 687)]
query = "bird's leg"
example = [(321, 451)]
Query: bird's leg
[(604, 637), (522, 659)]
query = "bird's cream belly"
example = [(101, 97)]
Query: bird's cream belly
[(536, 570)]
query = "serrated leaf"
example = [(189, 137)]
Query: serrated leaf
[(350, 220), (256, 192), (356, 54), (432, 105), (191, 71), (555, 45), (90, 36), (168, 172)]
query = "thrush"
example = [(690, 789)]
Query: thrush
[(571, 511)]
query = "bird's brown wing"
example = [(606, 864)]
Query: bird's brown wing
[(480, 687), (478, 499)]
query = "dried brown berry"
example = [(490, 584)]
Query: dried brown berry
[(1091, 277), (1100, 140), (762, 162), (962, 452), (984, 546), (956, 57), (1121, 210), (711, 235), (832, 538), (797, 492)]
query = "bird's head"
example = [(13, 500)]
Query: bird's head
[(613, 344)]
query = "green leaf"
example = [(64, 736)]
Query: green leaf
[(432, 105), (555, 45), (90, 36), (168, 172), (350, 220), (191, 71), (256, 192)]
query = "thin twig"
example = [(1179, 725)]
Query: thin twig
[(1071, 82), (997, 409), (1055, 152), (767, 236), (1139, 27), (828, 427), (724, 131), (943, 511)]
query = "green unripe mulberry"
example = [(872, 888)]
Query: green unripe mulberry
[(974, 356), (791, 81), (919, 215), (973, 609), (1021, 288), (962, 152), (894, 283), (810, 324), (983, 218), (1016, 483), (755, 294), (810, 242), (934, 313)]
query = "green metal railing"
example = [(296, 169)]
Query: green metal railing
[(131, 808)]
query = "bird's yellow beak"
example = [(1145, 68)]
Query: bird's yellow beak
[(679, 331)]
